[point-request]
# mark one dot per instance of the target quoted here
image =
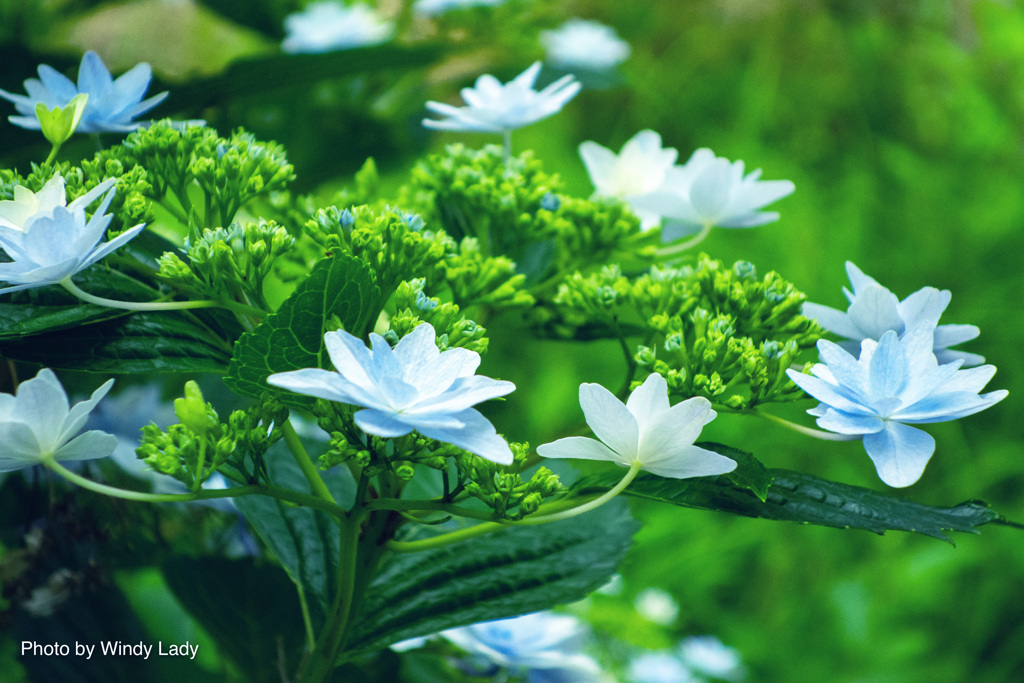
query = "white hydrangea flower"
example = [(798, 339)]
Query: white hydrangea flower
[(432, 8), (326, 26), (709, 191), (709, 656), (644, 430), (112, 104), (542, 645), (496, 107), (38, 424), (49, 242), (638, 169), (584, 44), (413, 386), (874, 310)]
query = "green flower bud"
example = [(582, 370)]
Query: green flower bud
[(58, 124)]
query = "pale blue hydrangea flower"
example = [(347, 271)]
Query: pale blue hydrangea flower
[(432, 8), (895, 382), (656, 605), (874, 310), (584, 44), (709, 191), (49, 242), (496, 107), (659, 667), (709, 657), (38, 424), (327, 26), (112, 105), (413, 386), (638, 169), (542, 646), (646, 430)]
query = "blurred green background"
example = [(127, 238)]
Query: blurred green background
[(902, 125)]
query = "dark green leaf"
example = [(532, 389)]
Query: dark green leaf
[(293, 337), (503, 574), (140, 342), (251, 610), (306, 541), (749, 474), (796, 497), (290, 71)]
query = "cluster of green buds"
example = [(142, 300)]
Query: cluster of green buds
[(192, 450), (231, 171), (476, 278), (254, 430), (502, 488), (453, 329), (229, 262), (395, 244)]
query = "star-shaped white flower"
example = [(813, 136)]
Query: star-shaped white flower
[(49, 242), (496, 107), (584, 44), (710, 191), (638, 169), (413, 386), (326, 26), (112, 105), (644, 430), (874, 310), (894, 383), (38, 424)]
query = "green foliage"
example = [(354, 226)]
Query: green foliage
[(453, 329), (796, 497), (506, 573), (292, 337), (502, 488)]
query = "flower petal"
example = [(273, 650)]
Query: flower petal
[(381, 423), (648, 400), (87, 446), (900, 453), (610, 420), (477, 436), (580, 448), (692, 461)]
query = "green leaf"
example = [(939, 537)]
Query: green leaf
[(750, 473), (137, 343), (251, 610), (293, 337), (503, 574), (245, 77), (305, 541), (796, 497)]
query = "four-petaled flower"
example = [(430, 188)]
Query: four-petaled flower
[(326, 26), (37, 425), (710, 191), (874, 310), (49, 242), (413, 386), (638, 169), (494, 107), (584, 44), (895, 382), (644, 430), (112, 105), (542, 645)]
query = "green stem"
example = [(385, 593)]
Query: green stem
[(506, 139), (309, 470), (53, 154), (488, 527), (808, 431), (692, 242), (203, 494), (157, 305), (400, 505)]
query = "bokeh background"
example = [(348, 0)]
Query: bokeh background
[(901, 124)]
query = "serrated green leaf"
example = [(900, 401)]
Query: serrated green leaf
[(503, 574), (305, 541), (750, 473), (293, 337), (263, 621), (802, 498)]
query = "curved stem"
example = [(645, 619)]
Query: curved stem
[(488, 527), (277, 492), (688, 244), (808, 431), (309, 471), (157, 305)]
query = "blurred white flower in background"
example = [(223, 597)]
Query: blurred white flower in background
[(709, 656), (656, 605), (326, 26), (432, 8), (584, 44)]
